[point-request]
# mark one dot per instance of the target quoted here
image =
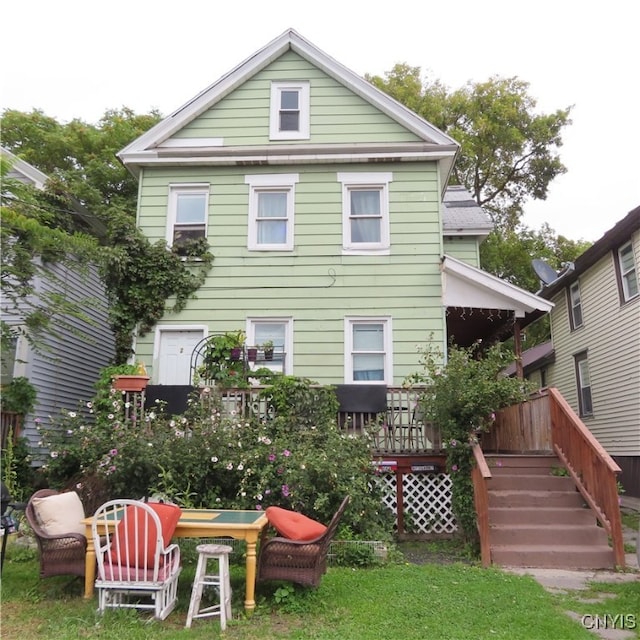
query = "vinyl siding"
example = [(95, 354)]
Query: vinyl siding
[(315, 284), (463, 248), (64, 373), (337, 114), (611, 337)]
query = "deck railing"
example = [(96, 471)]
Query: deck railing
[(480, 476), (591, 467), (399, 429)]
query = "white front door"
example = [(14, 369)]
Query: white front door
[(174, 355)]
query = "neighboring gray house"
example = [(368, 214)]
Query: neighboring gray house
[(65, 372), (594, 359)]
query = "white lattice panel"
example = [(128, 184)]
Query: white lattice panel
[(426, 501)]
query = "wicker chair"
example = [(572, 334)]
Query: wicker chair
[(61, 554), (301, 562)]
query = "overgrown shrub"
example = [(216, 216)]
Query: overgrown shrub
[(461, 398), (294, 457)]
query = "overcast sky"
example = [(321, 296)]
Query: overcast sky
[(76, 59)]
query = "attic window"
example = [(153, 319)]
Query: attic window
[(289, 111)]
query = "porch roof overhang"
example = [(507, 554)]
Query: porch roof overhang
[(482, 306)]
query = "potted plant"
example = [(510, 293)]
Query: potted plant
[(222, 361), (252, 354), (132, 382), (267, 349)]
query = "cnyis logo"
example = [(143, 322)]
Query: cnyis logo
[(610, 621)]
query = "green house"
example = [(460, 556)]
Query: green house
[(326, 205)]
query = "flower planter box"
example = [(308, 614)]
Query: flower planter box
[(130, 383)]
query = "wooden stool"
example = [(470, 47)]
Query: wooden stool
[(221, 580)]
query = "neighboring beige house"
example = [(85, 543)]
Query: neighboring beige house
[(595, 356)]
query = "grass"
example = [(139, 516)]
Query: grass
[(400, 600)]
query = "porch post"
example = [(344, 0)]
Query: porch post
[(517, 345)]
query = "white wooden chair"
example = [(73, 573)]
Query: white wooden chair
[(137, 567)]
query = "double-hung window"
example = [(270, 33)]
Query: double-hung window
[(368, 350), (575, 306), (583, 380), (289, 114), (271, 211), (365, 212), (628, 274), (278, 331), (187, 219)]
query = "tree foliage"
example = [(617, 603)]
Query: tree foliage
[(509, 153), (36, 235), (80, 160)]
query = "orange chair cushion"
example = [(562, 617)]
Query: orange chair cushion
[(132, 550), (294, 525)]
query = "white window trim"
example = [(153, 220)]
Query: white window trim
[(349, 321), (376, 180), (275, 181), (288, 336), (303, 133), (574, 325), (190, 187), (623, 274)]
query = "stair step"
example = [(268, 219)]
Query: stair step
[(537, 464), (508, 498), (558, 557), (553, 535), (526, 481), (541, 515)]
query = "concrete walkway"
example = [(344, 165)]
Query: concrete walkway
[(561, 581)]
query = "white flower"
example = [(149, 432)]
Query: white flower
[(72, 414), (111, 416), (240, 467), (54, 454), (149, 444), (214, 459), (230, 467)]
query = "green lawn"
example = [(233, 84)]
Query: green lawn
[(398, 601)]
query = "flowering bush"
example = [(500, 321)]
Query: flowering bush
[(461, 398), (294, 457)]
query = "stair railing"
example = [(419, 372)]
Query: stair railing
[(480, 474), (593, 470)]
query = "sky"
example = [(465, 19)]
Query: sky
[(77, 59)]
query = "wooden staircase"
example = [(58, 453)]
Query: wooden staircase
[(538, 519)]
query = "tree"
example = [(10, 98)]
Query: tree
[(80, 158), (508, 153), (32, 242)]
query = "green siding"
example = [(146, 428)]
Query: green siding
[(463, 248), (314, 284), (337, 114)]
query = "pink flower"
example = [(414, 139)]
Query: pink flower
[(258, 507), (454, 467), (285, 490), (272, 457), (286, 453), (113, 452)]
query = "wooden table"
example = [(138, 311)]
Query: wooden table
[(202, 523)]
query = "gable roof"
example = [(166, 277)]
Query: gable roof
[(534, 358), (23, 171), (434, 143), (611, 240), (467, 286), (28, 174)]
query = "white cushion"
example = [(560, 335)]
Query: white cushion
[(60, 514)]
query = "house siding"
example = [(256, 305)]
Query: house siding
[(65, 371), (463, 248), (611, 337), (337, 114), (315, 284)]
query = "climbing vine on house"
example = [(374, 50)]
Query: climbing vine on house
[(461, 398), (144, 280)]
